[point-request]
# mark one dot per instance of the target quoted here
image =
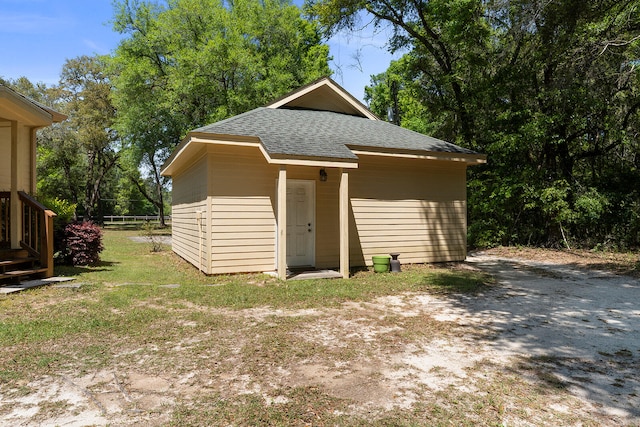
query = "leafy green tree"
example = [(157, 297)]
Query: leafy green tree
[(567, 115), (127, 197), (61, 166), (447, 39), (186, 63), (87, 92), (548, 89)]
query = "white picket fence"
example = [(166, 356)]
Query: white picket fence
[(134, 218)]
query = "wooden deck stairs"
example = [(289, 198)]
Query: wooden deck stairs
[(16, 265)]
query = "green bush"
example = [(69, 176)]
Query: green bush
[(64, 209)]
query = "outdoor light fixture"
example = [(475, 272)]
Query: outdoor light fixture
[(323, 175)]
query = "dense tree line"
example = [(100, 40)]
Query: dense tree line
[(191, 62), (181, 64), (549, 90)]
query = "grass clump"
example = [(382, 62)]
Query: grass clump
[(148, 231)]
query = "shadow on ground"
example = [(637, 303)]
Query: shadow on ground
[(71, 270), (576, 328)]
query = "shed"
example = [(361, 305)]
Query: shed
[(315, 180)]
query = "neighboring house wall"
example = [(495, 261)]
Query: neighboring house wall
[(414, 207), (24, 159), (18, 176), (20, 117), (189, 197), (5, 158)]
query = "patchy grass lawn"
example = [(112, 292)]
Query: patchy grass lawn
[(149, 340)]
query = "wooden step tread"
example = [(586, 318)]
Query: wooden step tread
[(18, 273), (16, 261)]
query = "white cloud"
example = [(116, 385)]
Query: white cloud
[(29, 23), (91, 45)]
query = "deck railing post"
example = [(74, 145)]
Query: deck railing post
[(46, 253), (37, 232)]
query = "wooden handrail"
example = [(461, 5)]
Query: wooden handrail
[(26, 198), (37, 230)]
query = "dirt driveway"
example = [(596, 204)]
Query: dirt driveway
[(548, 345), (583, 324)]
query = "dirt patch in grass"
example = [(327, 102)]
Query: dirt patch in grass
[(396, 359)]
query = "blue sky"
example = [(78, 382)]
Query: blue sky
[(39, 35)]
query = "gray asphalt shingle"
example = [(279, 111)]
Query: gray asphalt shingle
[(311, 133)]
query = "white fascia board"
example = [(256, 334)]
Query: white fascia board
[(473, 159), (314, 163)]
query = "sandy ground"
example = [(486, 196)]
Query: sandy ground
[(580, 326), (587, 322)]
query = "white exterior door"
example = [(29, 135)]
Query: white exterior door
[(300, 223)]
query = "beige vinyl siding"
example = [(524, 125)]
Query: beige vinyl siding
[(328, 220), (5, 158), (24, 159), (23, 156), (414, 207), (243, 217), (24, 169), (189, 239)]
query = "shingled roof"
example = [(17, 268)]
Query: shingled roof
[(319, 124), (325, 134)]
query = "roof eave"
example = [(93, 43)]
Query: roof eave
[(199, 138), (56, 116), (40, 114), (468, 158), (317, 161)]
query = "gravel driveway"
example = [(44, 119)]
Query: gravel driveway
[(583, 324)]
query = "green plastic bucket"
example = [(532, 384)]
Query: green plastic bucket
[(381, 263)]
